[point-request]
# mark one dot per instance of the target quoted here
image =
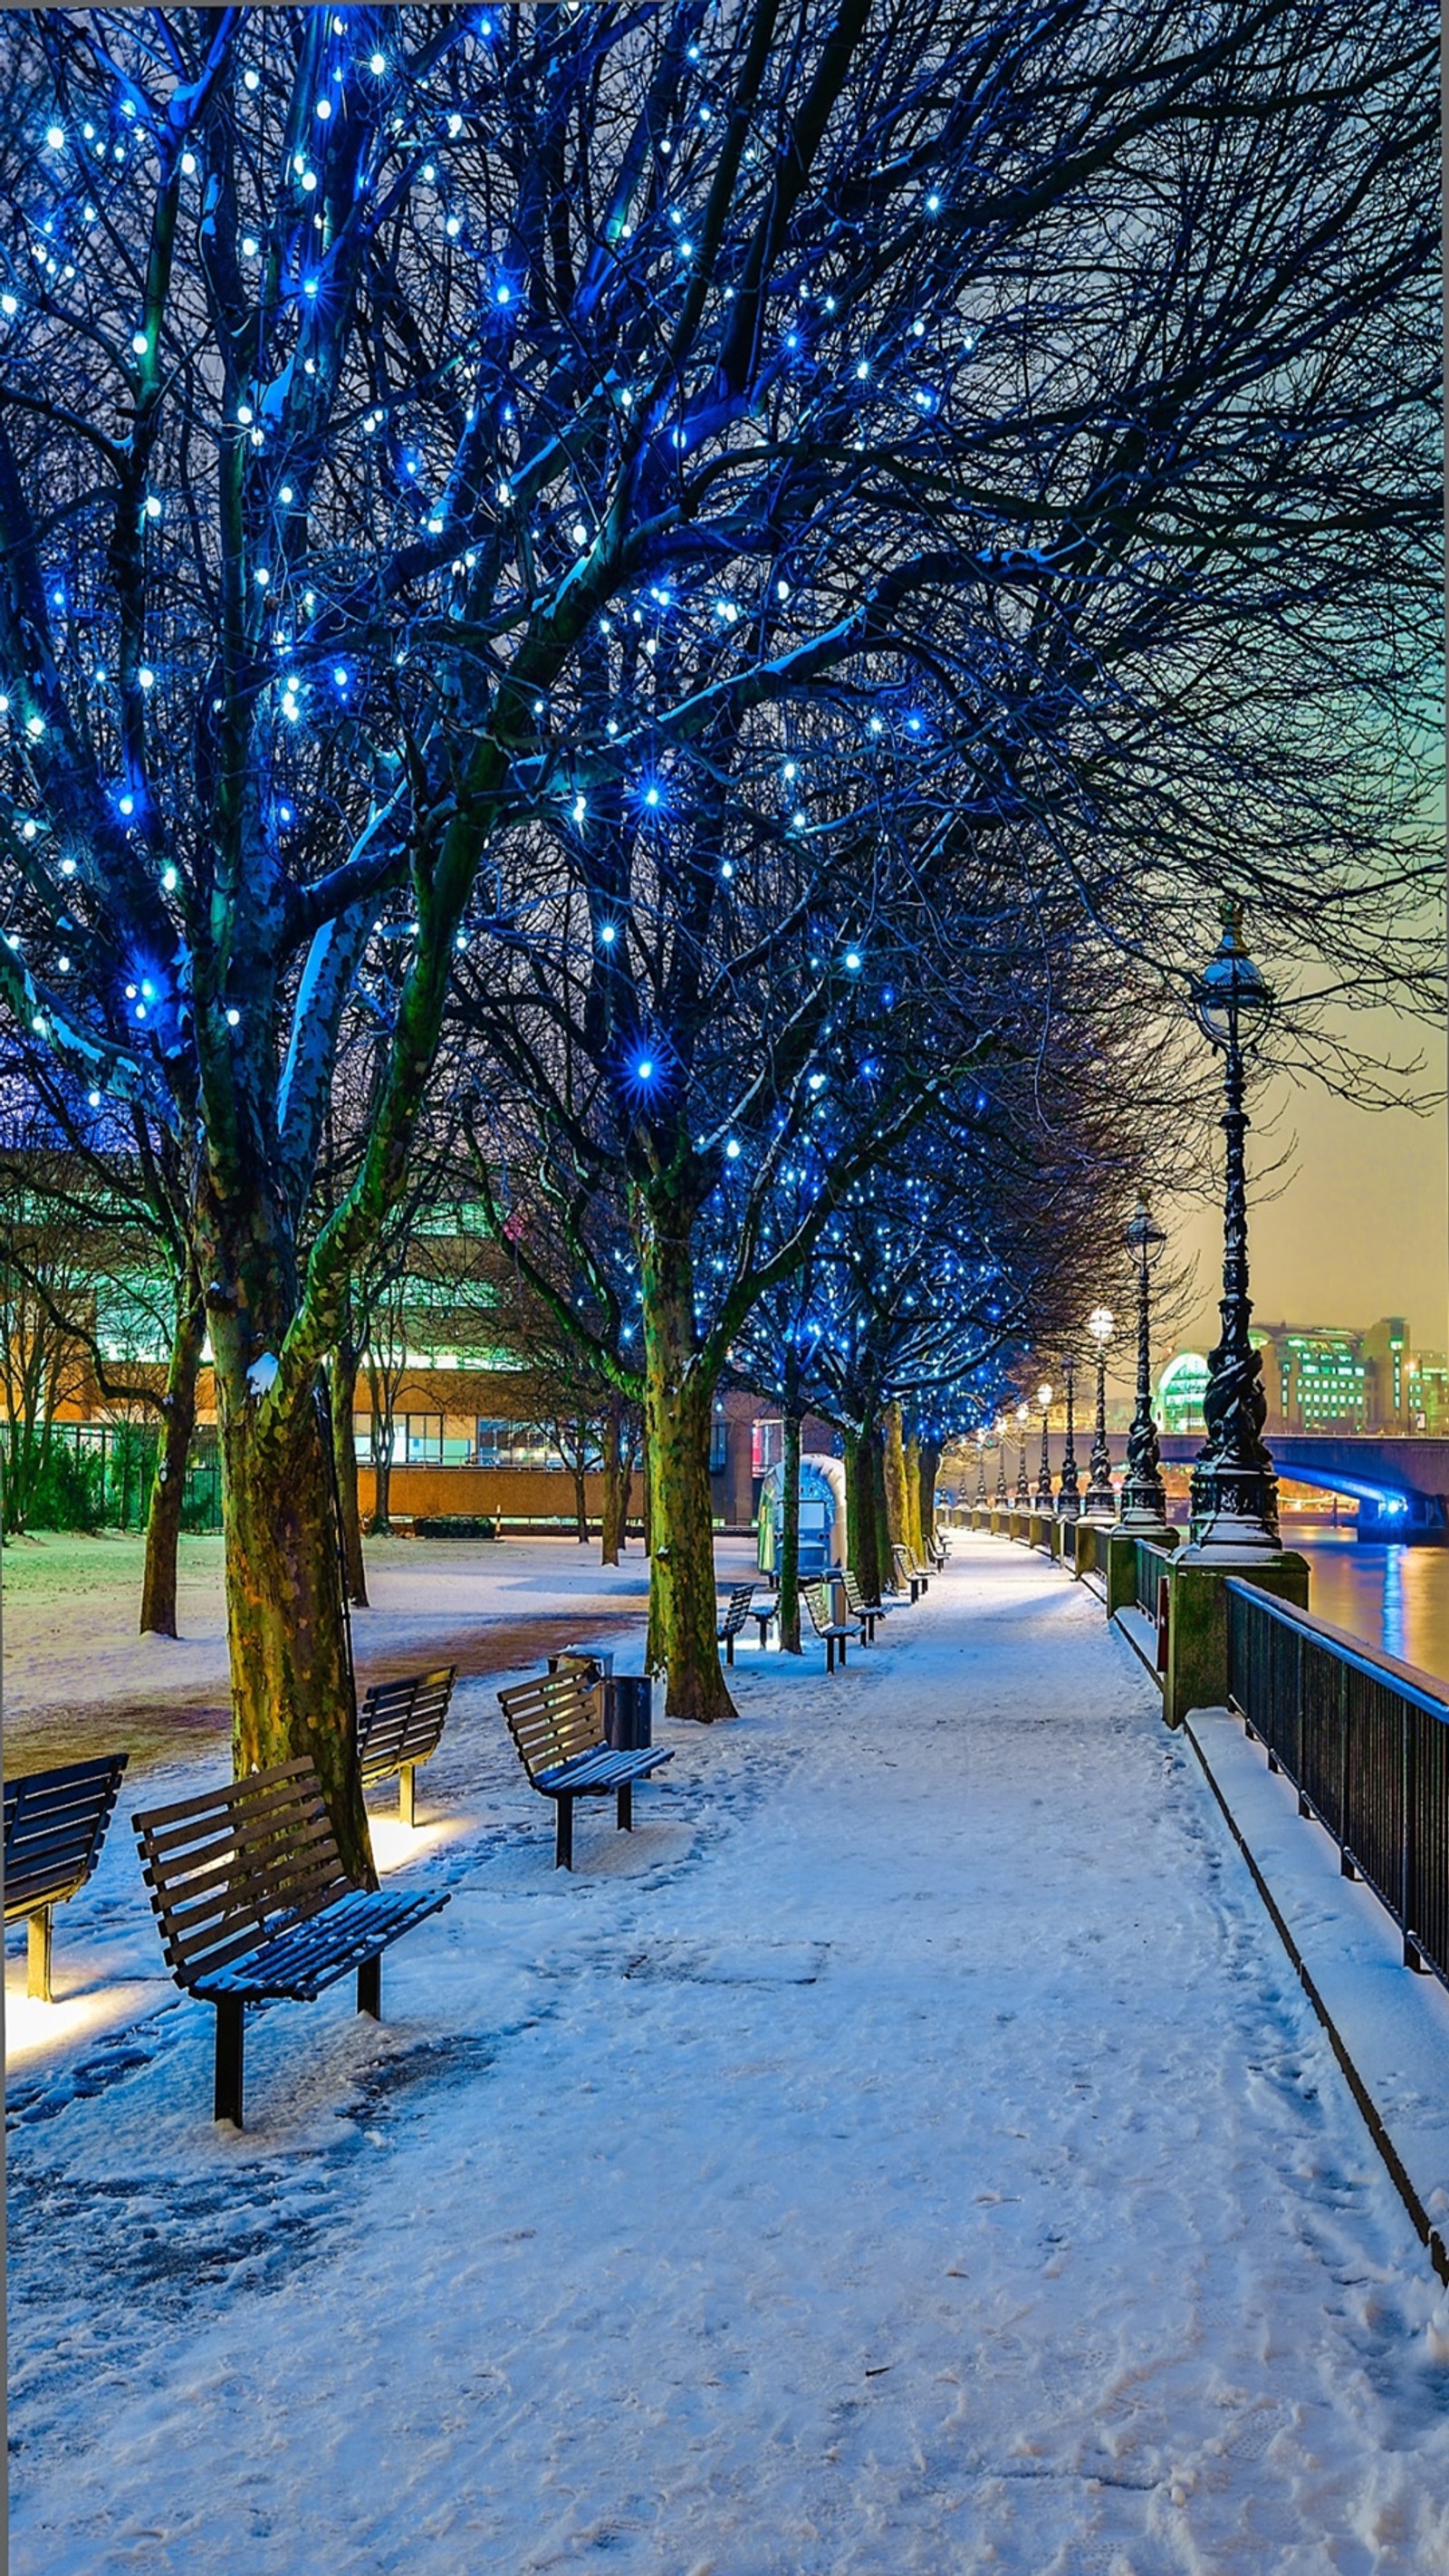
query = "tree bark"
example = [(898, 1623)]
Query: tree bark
[(291, 1672), (581, 1506), (897, 1506), (913, 1498), (346, 1360), (789, 1567), (930, 1468), (862, 1519), (380, 1441), (678, 1397), (884, 1556), (618, 1478), (168, 1487)]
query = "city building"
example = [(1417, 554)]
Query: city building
[(1325, 1377)]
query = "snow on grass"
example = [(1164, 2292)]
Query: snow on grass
[(909, 2151)]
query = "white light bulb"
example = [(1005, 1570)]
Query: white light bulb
[(153, 506), (233, 1019), (140, 343), (377, 65), (55, 136)]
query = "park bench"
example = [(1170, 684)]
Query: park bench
[(734, 1619), (908, 1575), (867, 1612), (55, 1824), (835, 1632), (557, 1725), (398, 1726), (254, 1905)]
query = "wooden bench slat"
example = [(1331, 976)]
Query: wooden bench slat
[(298, 1963), (55, 1827), (557, 1727), (252, 1901)]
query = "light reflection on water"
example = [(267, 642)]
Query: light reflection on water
[(1396, 1598)]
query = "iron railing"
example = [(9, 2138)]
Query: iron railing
[(1365, 1742), (1153, 1563)]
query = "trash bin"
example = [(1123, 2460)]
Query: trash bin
[(628, 1711)]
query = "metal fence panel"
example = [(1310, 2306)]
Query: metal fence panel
[(1366, 1742)]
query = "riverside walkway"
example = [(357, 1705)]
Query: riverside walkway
[(909, 2152)]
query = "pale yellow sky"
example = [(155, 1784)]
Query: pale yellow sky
[(1358, 1226)]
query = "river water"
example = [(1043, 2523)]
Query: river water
[(1393, 1597)]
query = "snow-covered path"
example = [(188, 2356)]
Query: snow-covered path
[(909, 2151)]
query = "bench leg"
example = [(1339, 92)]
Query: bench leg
[(369, 1988), (563, 1843), (729, 1650), (842, 1654), (227, 2092), (625, 1804), (37, 1955), (406, 1795), (830, 1654)]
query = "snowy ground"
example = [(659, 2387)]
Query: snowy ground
[(908, 2152)]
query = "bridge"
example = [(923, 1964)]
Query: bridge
[(1401, 1485)]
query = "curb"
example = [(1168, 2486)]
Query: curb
[(1387, 2027)]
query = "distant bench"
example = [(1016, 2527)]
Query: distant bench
[(834, 1632), (55, 1824), (557, 1725), (734, 1619), (253, 1904), (399, 1725)]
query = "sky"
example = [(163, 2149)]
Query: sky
[(1351, 1226)]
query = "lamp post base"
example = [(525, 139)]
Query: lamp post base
[(1235, 1538)]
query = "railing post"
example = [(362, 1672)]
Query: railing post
[(1197, 1625)]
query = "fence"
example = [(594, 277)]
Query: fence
[(1365, 1743), (119, 1463), (1152, 1564)]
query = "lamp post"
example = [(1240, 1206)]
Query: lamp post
[(1023, 1481), (1002, 1496), (1144, 1496), (981, 1468), (1101, 1502), (1044, 1472), (1234, 1488), (1069, 1500)]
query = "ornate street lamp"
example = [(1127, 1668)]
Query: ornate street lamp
[(1002, 1497), (1101, 1502), (1069, 1501), (1234, 1488), (981, 1468), (1144, 1496), (1044, 1472), (1023, 1480)]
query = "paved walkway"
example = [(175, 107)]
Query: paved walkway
[(908, 2152)]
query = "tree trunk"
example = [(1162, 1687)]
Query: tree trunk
[(678, 1399), (897, 1507), (380, 1442), (344, 1369), (929, 1470), (789, 1567), (168, 1486), (581, 1506), (882, 1513), (291, 1670), (913, 1498), (862, 1523), (618, 1478)]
